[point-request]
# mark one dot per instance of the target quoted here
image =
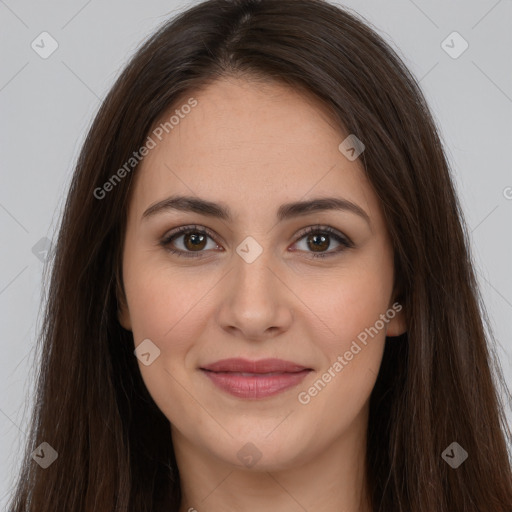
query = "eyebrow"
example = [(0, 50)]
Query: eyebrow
[(285, 211)]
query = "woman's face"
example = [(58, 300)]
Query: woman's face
[(256, 286)]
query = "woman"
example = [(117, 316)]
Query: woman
[(262, 295)]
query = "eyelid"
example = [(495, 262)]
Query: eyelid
[(324, 228), (343, 239), (183, 230)]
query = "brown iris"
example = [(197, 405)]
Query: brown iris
[(194, 241), (319, 242)]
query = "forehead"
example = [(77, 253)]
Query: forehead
[(248, 144)]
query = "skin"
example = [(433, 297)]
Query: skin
[(253, 147)]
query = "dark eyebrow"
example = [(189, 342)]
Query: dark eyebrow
[(285, 211)]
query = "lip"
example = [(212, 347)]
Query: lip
[(244, 378)]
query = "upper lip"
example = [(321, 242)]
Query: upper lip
[(259, 366)]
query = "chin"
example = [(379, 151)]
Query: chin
[(260, 453)]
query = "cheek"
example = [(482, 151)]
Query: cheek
[(347, 324), (162, 301), (347, 302), (168, 310)]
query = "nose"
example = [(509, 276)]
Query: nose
[(256, 304)]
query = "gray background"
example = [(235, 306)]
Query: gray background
[(48, 104)]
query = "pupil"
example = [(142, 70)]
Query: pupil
[(319, 241), (196, 240), (322, 241)]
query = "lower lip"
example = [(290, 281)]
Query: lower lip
[(255, 386)]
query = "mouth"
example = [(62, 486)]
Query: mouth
[(247, 379)]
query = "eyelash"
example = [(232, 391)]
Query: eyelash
[(166, 241)]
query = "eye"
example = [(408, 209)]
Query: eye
[(318, 238), (195, 239)]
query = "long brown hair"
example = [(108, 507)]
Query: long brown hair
[(438, 383)]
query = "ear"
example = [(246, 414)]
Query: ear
[(123, 316), (396, 313), (397, 324), (123, 313)]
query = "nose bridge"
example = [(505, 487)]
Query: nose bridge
[(253, 261), (253, 302)]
